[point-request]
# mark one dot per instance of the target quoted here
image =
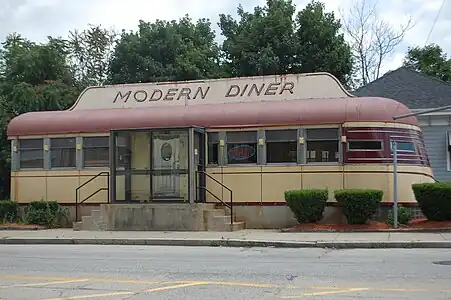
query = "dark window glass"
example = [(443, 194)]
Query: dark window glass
[(242, 147), (213, 148), (63, 152), (96, 151), (364, 145), (31, 154), (281, 146), (322, 134), (322, 151)]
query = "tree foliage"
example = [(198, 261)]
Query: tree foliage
[(273, 40), (90, 53), (430, 60), (33, 77), (166, 51)]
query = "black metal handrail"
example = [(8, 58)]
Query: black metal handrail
[(77, 190), (228, 205)]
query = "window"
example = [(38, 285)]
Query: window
[(322, 145), (96, 151), (365, 146), (213, 148), (405, 146), (242, 147), (281, 146), (63, 152), (123, 151), (31, 154)]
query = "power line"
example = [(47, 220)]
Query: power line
[(435, 21)]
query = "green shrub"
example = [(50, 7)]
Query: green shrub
[(434, 200), (359, 204), (307, 205), (404, 216), (45, 213), (8, 210)]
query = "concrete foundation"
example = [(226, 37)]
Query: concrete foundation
[(159, 217), (198, 217)]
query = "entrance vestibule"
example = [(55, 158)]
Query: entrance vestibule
[(157, 165)]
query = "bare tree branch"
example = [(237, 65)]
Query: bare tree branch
[(372, 39)]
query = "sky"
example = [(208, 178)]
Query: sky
[(37, 19)]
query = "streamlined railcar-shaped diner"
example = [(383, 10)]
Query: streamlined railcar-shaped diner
[(194, 142)]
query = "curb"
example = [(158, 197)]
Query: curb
[(230, 243), (412, 230)]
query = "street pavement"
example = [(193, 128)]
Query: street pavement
[(51, 272)]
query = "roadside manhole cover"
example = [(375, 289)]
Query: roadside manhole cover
[(443, 262)]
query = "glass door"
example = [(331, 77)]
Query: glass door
[(170, 160)]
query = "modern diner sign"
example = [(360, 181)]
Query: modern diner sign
[(247, 89)]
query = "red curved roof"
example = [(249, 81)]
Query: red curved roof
[(245, 114)]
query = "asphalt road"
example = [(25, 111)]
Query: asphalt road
[(133, 272)]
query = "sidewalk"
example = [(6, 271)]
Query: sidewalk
[(243, 238)]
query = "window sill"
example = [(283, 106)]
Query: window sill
[(96, 168), (291, 164), (322, 164)]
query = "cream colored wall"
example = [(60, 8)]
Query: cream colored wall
[(268, 183), (27, 186)]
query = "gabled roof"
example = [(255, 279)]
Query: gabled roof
[(411, 88), (245, 114)]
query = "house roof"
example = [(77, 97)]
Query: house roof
[(411, 88), (244, 114)]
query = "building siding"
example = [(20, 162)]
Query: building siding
[(436, 147)]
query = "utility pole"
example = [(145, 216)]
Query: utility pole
[(394, 147)]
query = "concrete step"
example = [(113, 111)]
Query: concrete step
[(222, 223), (214, 212), (224, 208), (87, 222), (238, 226), (77, 226), (96, 214)]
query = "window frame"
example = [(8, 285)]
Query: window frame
[(51, 148), (365, 150), (83, 161), (208, 143), (19, 151), (338, 140), (269, 141), (257, 148)]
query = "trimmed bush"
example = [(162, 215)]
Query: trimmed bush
[(8, 211), (434, 200), (307, 205), (359, 204), (44, 213), (404, 216)]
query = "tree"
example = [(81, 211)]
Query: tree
[(429, 60), (373, 40), (272, 40), (261, 42), (322, 48), (33, 77), (90, 52), (166, 51)]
